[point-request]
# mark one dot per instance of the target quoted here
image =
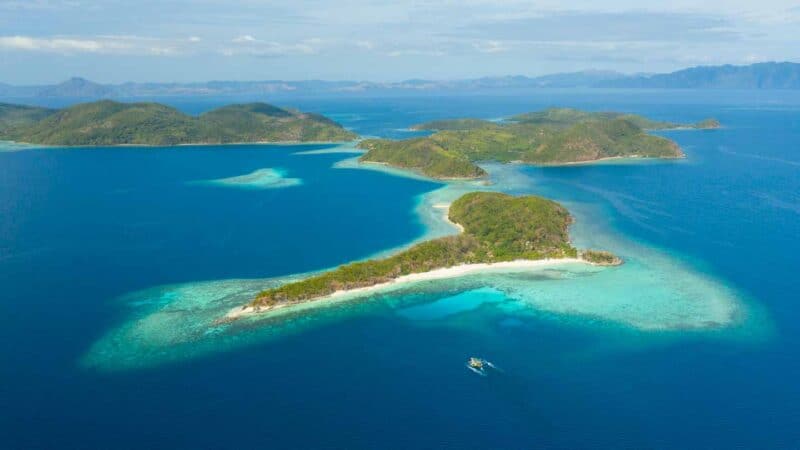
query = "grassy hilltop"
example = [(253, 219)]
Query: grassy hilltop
[(113, 123), (21, 115), (497, 227), (423, 154), (568, 116), (550, 137)]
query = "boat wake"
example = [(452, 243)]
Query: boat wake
[(492, 366), (478, 371)]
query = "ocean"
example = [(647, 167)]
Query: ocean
[(115, 263)]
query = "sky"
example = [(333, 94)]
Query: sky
[(113, 41)]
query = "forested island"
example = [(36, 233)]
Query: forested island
[(497, 228), (108, 122), (550, 137)]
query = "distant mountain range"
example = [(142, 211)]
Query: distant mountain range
[(771, 75)]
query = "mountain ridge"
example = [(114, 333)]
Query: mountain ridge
[(768, 75)]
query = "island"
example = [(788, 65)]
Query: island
[(569, 116), (427, 155), (21, 115), (556, 136), (708, 124), (497, 229), (110, 123), (453, 125)]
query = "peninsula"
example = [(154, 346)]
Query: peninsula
[(108, 122), (555, 136), (497, 229)]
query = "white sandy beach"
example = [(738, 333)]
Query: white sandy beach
[(437, 274), (446, 208)]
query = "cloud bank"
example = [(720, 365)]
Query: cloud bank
[(360, 39)]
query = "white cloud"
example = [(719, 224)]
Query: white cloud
[(244, 39), (126, 45), (105, 44), (38, 5), (54, 44), (491, 46), (630, 26), (771, 17), (415, 52), (366, 45), (249, 45), (163, 51)]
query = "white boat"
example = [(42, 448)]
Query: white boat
[(479, 365)]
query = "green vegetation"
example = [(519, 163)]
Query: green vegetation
[(21, 115), (423, 155), (564, 117), (255, 122), (112, 123), (454, 124), (550, 137), (601, 257), (593, 140), (708, 124), (497, 227)]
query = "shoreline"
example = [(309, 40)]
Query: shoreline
[(189, 320), (435, 274), (606, 160), (418, 173), (446, 215), (599, 161), (31, 146)]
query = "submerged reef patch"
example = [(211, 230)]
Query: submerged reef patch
[(260, 179), (654, 292)]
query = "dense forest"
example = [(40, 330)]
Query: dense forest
[(550, 137), (497, 227), (113, 123)]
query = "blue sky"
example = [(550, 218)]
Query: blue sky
[(44, 41)]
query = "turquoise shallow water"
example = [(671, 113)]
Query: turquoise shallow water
[(456, 304), (652, 291), (112, 341), (260, 179)]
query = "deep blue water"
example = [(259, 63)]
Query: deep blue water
[(79, 228)]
